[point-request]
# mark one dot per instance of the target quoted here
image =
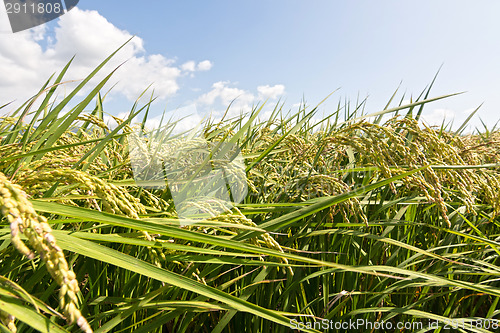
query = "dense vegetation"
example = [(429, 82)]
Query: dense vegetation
[(347, 218)]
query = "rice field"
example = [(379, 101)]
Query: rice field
[(373, 219)]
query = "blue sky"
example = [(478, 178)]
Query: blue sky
[(286, 49)]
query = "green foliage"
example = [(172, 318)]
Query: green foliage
[(344, 220)]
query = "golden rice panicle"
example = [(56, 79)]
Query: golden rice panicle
[(237, 217), (303, 169), (22, 217), (114, 199), (389, 147)]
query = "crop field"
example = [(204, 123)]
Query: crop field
[(373, 219)]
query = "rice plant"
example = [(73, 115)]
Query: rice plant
[(353, 218)]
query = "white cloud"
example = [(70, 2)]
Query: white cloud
[(189, 66), (4, 22), (225, 93), (221, 90), (38, 32), (29, 58), (437, 116), (25, 65), (204, 65), (271, 92)]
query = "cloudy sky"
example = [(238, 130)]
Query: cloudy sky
[(201, 55)]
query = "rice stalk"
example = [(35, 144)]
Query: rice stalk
[(23, 219)]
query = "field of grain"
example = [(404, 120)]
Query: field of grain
[(378, 219)]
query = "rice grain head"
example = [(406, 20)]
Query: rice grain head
[(15, 206)]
